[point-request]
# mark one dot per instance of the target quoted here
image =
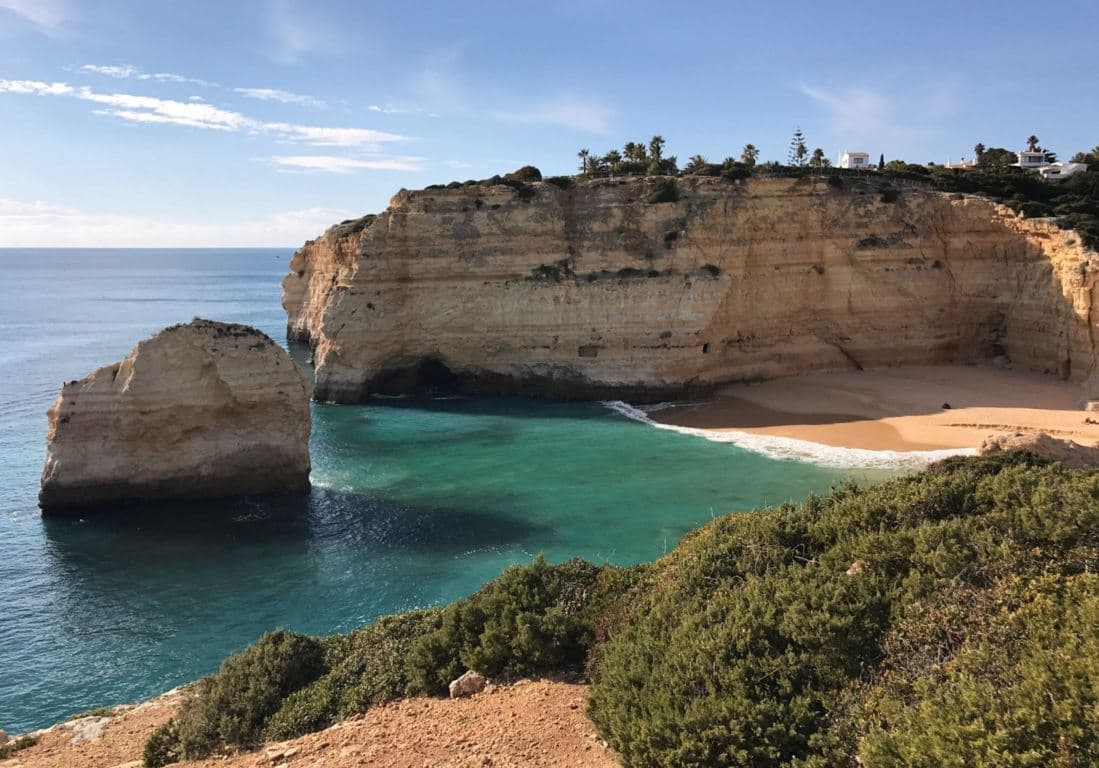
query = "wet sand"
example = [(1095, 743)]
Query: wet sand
[(896, 409)]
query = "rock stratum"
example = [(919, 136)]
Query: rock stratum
[(203, 409), (593, 291)]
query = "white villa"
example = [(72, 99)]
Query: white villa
[(857, 160), (1036, 161), (1031, 160), (1061, 171)]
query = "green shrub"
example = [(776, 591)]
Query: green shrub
[(162, 747), (352, 226), (17, 745), (866, 623), (528, 173), (231, 708), (664, 191), (525, 622), (368, 666), (1023, 691), (561, 182)]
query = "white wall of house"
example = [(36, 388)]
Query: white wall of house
[(1032, 160), (1059, 171), (854, 160)]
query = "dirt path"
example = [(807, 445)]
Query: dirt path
[(529, 723)]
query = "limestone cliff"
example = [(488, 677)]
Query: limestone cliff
[(202, 409), (592, 290)]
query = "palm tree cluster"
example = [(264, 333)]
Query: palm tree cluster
[(647, 158), (636, 159), (639, 158)]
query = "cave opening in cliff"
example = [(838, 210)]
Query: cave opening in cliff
[(430, 376)]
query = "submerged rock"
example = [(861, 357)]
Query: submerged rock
[(1071, 454), (204, 409)]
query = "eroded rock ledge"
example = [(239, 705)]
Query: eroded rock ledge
[(593, 291), (203, 409)]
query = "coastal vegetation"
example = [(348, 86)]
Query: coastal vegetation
[(9, 749), (946, 618), (1072, 203)]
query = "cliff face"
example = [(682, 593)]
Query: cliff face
[(594, 291), (202, 409)]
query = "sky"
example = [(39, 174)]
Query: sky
[(261, 122)]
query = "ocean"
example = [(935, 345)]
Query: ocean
[(414, 503)]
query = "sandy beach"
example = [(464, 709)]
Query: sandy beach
[(896, 409)]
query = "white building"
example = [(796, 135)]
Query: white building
[(1032, 161), (1061, 171), (962, 165), (857, 160)]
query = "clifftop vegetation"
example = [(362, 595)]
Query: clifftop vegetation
[(1072, 203), (950, 618)]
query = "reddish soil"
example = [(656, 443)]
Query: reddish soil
[(528, 723)]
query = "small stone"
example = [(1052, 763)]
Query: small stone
[(467, 685), (857, 567)]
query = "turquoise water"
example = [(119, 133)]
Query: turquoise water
[(414, 503)]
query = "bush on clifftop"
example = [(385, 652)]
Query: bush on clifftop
[(950, 618), (944, 619), (533, 619)]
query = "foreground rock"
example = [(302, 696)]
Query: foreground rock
[(468, 684), (1069, 453), (203, 409), (598, 290)]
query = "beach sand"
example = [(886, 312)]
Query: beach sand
[(896, 409)]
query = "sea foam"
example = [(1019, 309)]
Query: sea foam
[(792, 449)]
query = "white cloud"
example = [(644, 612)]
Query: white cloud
[(283, 97), (111, 71), (47, 14), (337, 164), (390, 109), (334, 137), (35, 87), (149, 109), (568, 113), (37, 223), (123, 71), (199, 114)]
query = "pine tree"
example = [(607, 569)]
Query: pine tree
[(798, 150)]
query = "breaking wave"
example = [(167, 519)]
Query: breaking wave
[(792, 449)]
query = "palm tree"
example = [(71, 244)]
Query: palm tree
[(695, 164), (635, 152), (749, 155), (818, 159), (656, 148), (613, 159), (584, 155), (979, 151), (1032, 144)]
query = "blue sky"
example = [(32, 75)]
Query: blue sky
[(260, 122)]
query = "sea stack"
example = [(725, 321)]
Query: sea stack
[(204, 409)]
